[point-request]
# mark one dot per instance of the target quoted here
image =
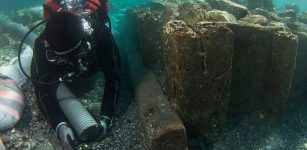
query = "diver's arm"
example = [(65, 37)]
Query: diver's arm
[(109, 62), (47, 100), (45, 94)]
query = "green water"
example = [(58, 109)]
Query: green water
[(8, 5), (302, 4)]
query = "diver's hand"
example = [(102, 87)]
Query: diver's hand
[(104, 123), (67, 137)]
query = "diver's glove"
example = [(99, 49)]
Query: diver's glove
[(104, 123), (66, 136)]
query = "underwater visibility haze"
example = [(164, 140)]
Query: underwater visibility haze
[(195, 74)]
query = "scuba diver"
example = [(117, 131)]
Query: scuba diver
[(76, 43)]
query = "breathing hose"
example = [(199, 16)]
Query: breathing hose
[(80, 119)]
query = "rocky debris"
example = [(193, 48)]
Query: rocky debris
[(270, 15), (292, 6), (265, 4), (156, 6), (198, 72), (149, 25), (288, 15), (290, 18), (204, 5), (255, 19), (169, 9), (5, 40), (28, 16), (8, 52), (220, 16), (302, 28), (242, 2), (237, 10), (277, 25), (3, 16), (303, 17), (191, 13), (293, 26)]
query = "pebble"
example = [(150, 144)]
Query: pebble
[(305, 145), (35, 118), (34, 113), (269, 147), (261, 116), (7, 58), (19, 144), (39, 136), (27, 145)]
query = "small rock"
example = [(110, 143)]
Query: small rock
[(289, 15), (18, 145), (39, 136), (261, 116), (191, 13), (256, 19), (35, 118), (4, 40), (303, 18), (7, 58), (292, 6), (269, 147), (27, 145), (237, 10), (34, 113), (13, 130), (220, 16)]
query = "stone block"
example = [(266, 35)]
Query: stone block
[(280, 73), (199, 87), (299, 88), (262, 70)]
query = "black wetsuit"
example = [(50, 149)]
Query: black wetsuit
[(107, 60)]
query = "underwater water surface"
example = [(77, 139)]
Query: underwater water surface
[(140, 27)]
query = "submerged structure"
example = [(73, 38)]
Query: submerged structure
[(220, 60), (214, 74)]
